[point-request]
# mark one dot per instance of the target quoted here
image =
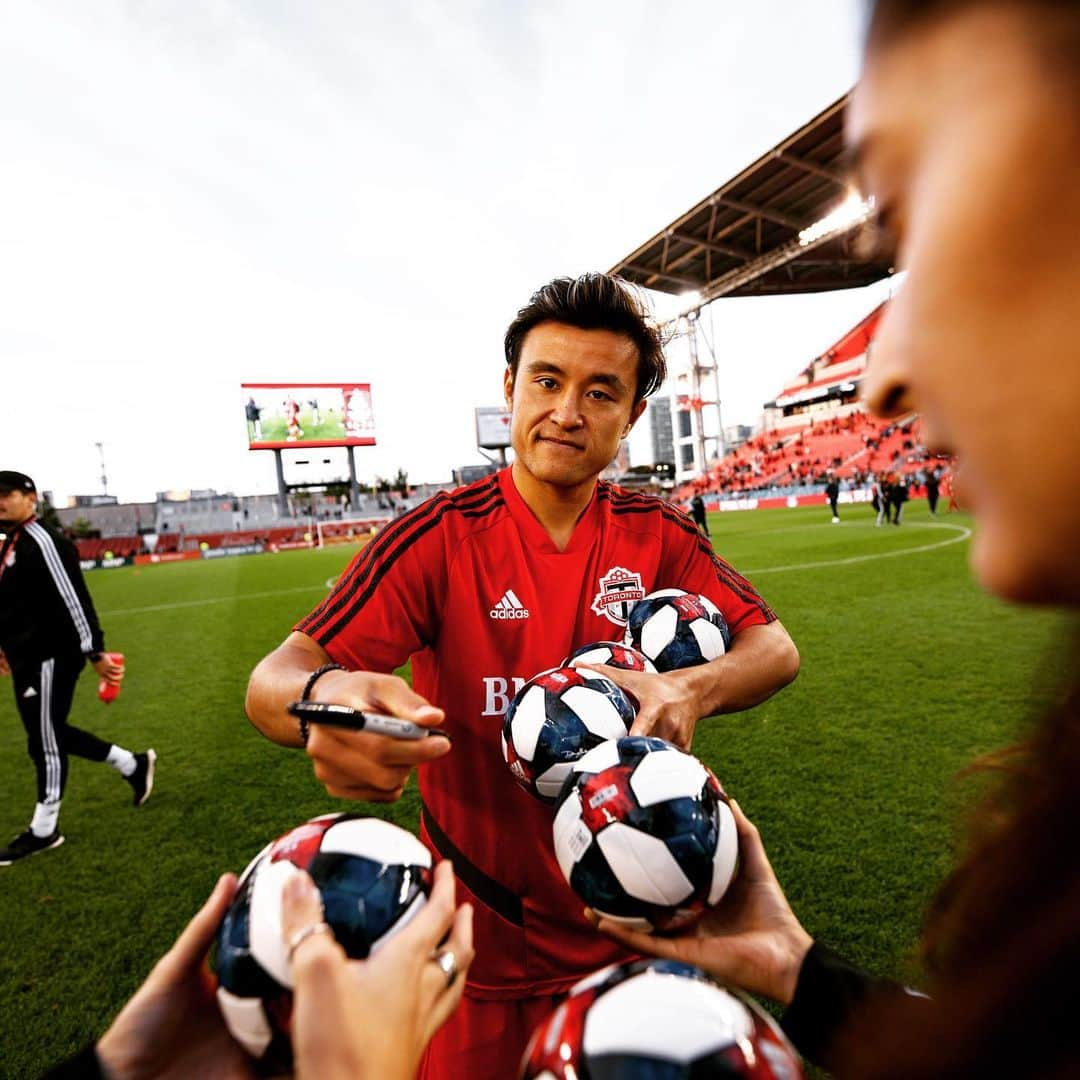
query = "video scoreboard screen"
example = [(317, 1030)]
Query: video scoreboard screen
[(294, 415)]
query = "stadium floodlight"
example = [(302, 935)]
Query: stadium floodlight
[(854, 210), (689, 301)]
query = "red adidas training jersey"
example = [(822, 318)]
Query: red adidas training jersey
[(472, 588)]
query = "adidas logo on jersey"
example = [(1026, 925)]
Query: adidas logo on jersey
[(509, 607)]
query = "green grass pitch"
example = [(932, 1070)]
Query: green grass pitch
[(908, 672)]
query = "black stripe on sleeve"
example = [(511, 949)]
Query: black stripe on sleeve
[(352, 593)]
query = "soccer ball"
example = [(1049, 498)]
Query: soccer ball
[(653, 1018), (677, 629), (644, 835), (613, 654), (373, 877), (554, 719)]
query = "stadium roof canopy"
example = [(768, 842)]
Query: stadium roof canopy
[(753, 236)]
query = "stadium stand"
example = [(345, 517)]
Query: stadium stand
[(815, 426)]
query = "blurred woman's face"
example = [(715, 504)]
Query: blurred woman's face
[(968, 138)]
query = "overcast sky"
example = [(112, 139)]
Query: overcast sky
[(197, 193)]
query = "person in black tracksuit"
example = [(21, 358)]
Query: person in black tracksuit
[(48, 631)]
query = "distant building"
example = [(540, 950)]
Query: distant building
[(663, 442), (92, 500)]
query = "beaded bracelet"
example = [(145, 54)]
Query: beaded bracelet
[(313, 678)]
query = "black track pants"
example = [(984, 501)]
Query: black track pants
[(43, 694)]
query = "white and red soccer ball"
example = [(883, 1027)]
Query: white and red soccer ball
[(643, 834), (556, 718), (657, 1018), (677, 629), (613, 654), (373, 877)]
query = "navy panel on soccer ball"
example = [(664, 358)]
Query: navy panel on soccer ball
[(677, 629), (373, 877), (643, 834), (657, 1020), (554, 720)]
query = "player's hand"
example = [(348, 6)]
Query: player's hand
[(751, 939), (172, 1027), (5, 667), (358, 764), (109, 670), (355, 1020), (668, 704)]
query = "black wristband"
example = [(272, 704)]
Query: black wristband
[(313, 678)]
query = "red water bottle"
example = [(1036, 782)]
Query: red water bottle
[(106, 690)]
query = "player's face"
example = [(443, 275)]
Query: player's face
[(969, 146), (572, 401), (16, 507)]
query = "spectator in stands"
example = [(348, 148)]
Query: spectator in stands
[(832, 493), (697, 511)]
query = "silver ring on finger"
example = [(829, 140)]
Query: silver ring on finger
[(304, 933), (447, 963)]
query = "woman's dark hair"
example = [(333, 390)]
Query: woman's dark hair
[(594, 301), (888, 20), (1002, 938)]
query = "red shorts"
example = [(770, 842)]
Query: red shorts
[(485, 1040)]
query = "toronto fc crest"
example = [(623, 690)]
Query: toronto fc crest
[(619, 591)]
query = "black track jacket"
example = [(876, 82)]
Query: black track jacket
[(45, 608)]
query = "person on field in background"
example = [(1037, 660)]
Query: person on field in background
[(933, 491), (485, 587), (48, 631), (886, 499), (832, 493), (697, 512), (898, 495), (963, 130)]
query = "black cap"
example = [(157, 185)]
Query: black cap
[(15, 481)]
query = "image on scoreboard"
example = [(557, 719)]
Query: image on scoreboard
[(283, 415)]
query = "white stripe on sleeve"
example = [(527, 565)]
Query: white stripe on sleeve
[(63, 584)]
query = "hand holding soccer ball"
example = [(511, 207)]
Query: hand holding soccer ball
[(643, 834), (373, 878), (751, 939)]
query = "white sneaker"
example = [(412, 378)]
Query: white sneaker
[(836, 521)]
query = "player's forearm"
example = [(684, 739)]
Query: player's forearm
[(761, 661), (277, 680)]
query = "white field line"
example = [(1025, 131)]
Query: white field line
[(964, 534), (212, 600)]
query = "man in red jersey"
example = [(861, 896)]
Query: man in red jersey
[(484, 587)]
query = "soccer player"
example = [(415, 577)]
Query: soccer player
[(483, 588), (48, 630)]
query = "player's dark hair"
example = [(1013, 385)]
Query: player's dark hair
[(594, 301)]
